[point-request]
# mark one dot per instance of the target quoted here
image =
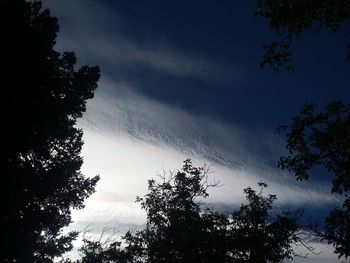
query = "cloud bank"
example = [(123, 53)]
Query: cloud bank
[(129, 138)]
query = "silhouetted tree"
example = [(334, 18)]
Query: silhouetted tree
[(42, 97), (323, 139), (180, 229), (259, 238), (177, 229), (289, 19), (103, 251), (314, 139)]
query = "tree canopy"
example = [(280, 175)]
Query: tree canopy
[(43, 95), (290, 19), (322, 138), (314, 138), (180, 227)]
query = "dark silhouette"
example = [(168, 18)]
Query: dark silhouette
[(323, 139), (257, 237), (102, 251), (289, 19), (43, 95), (314, 138), (177, 229), (180, 228)]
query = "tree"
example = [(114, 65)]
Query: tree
[(290, 19), (177, 229), (256, 237), (180, 228), (43, 95), (103, 250), (314, 139), (323, 139)]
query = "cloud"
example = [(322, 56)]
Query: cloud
[(129, 138), (323, 253), (99, 36)]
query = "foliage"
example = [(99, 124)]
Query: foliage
[(289, 19), (177, 229), (181, 228), (320, 138), (43, 95), (256, 237), (337, 229), (102, 251), (323, 139)]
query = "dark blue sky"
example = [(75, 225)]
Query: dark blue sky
[(228, 31)]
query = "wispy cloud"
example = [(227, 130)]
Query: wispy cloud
[(157, 135), (96, 35)]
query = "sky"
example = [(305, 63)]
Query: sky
[(181, 79)]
